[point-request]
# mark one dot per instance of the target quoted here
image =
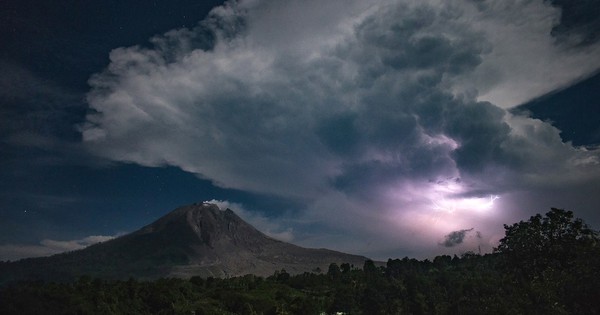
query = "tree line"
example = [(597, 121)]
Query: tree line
[(547, 265)]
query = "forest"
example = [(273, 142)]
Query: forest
[(549, 264)]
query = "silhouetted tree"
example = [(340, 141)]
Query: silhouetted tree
[(333, 271), (558, 258), (552, 241)]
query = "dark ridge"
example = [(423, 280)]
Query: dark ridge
[(195, 240)]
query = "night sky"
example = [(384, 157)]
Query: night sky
[(381, 128)]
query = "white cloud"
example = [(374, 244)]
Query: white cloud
[(356, 109), (525, 60), (48, 247)]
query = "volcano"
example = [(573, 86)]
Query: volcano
[(195, 240)]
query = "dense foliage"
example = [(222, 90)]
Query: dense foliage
[(547, 265)]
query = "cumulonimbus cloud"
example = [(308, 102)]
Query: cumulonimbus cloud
[(373, 104)]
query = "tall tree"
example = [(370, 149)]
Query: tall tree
[(558, 257), (554, 240)]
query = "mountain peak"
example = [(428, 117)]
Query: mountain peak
[(194, 240), (198, 208), (205, 224)]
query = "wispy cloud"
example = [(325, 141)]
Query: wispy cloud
[(48, 247), (35, 112)]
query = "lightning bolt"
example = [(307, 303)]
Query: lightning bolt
[(451, 206)]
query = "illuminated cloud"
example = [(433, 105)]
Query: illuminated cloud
[(367, 112)]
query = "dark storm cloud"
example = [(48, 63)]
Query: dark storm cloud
[(355, 109), (455, 237), (398, 35), (421, 48)]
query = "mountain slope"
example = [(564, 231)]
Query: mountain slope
[(199, 239)]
